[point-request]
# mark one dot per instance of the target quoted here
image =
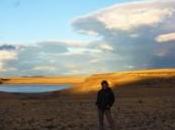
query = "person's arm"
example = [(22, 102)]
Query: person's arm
[(112, 98), (97, 99)]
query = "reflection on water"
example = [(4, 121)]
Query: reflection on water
[(31, 88)]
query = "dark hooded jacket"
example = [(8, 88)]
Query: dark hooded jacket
[(105, 98)]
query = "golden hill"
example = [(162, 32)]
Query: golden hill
[(118, 79)]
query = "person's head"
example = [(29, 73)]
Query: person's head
[(104, 84)]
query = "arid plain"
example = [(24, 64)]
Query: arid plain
[(145, 100)]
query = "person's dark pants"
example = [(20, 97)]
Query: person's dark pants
[(107, 113)]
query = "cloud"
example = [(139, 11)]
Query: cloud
[(165, 37), (53, 58), (7, 47), (74, 43), (132, 31), (105, 47), (126, 16), (44, 68), (81, 51), (52, 47), (6, 56), (33, 59)]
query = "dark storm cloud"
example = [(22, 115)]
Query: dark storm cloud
[(7, 47)]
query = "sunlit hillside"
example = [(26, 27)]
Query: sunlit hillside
[(92, 83)]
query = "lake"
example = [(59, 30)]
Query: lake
[(32, 88)]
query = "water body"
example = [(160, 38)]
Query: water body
[(31, 88)]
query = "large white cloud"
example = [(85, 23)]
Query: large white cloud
[(126, 16), (133, 30)]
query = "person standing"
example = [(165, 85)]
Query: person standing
[(104, 102)]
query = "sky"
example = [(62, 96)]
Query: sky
[(37, 20), (64, 37)]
